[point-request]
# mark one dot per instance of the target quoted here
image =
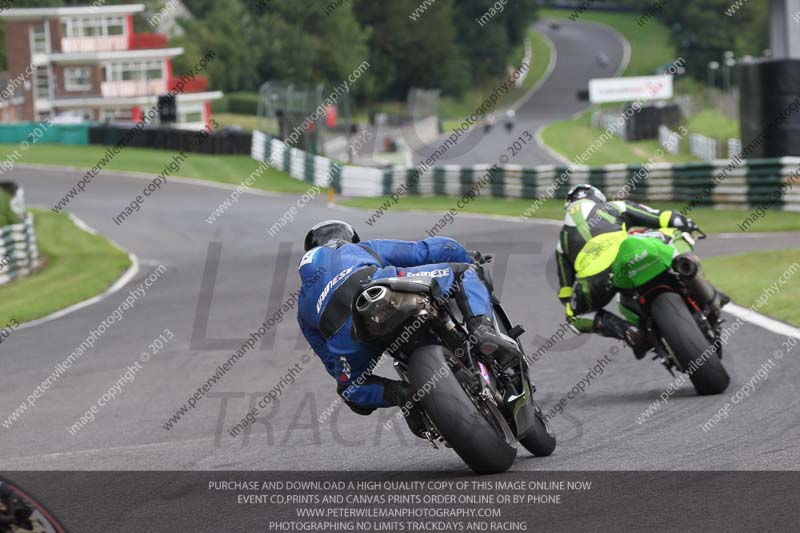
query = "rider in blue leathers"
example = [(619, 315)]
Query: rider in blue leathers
[(334, 269)]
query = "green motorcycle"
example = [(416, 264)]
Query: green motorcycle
[(656, 274)]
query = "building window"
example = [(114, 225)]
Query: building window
[(93, 26), (77, 79), (190, 113), (122, 114), (192, 116), (40, 40), (134, 70), (42, 83), (115, 114), (115, 26)]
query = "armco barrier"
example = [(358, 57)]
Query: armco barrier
[(716, 183), (19, 255)]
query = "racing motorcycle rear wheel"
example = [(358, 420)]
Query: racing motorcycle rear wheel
[(692, 350)]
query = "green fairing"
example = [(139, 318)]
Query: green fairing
[(639, 260)]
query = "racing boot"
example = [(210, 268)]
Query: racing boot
[(701, 290), (610, 325), (401, 394), (503, 349)]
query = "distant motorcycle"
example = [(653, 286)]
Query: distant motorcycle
[(491, 120), (511, 116), (470, 403), (602, 60)]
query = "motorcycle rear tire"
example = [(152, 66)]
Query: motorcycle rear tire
[(483, 440), (684, 337)]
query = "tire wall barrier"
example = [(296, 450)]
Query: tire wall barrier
[(716, 183), (219, 142), (19, 255)]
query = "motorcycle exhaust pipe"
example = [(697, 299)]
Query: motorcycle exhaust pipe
[(686, 265), (688, 268)]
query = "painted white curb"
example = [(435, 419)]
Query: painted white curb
[(123, 280), (770, 324), (541, 81)]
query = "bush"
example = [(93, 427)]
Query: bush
[(240, 103), (7, 216)]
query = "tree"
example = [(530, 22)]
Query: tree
[(272, 39), (489, 40), (408, 53), (703, 32)]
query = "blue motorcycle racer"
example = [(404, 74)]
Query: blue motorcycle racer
[(335, 268)]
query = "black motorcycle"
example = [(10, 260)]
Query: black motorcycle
[(470, 403)]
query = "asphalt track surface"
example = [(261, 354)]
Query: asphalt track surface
[(576, 46), (597, 431)]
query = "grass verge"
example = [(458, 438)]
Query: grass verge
[(231, 169), (246, 122), (572, 137), (710, 220), (714, 124), (744, 277), (78, 265)]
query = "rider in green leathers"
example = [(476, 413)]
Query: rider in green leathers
[(584, 271)]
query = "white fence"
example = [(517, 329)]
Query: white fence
[(669, 140), (709, 149), (703, 147)]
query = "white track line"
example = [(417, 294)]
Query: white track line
[(765, 322), (550, 68), (119, 284), (149, 177)]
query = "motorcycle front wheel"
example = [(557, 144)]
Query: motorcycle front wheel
[(540, 439)]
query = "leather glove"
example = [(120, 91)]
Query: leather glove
[(476, 257)]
